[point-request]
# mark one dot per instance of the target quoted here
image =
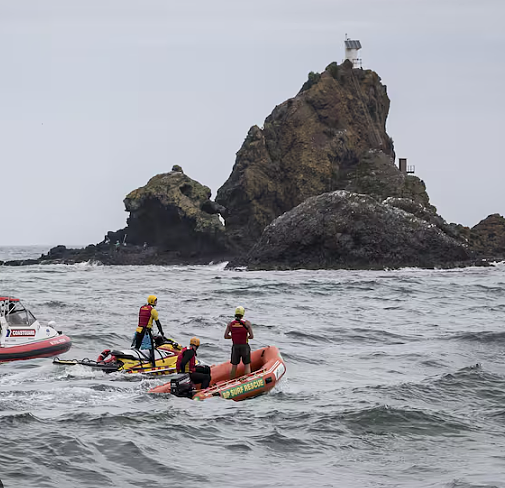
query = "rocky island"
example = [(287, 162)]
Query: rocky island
[(316, 187)]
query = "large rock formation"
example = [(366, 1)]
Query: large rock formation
[(348, 230), (488, 237), (426, 213), (174, 213), (330, 136)]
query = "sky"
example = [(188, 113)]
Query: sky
[(98, 96)]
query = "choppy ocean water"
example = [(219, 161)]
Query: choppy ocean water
[(394, 379)]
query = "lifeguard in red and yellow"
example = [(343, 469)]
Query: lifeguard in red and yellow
[(186, 363), (147, 315), (239, 331)]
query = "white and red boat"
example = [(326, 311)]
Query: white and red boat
[(23, 337)]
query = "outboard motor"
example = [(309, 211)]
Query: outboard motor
[(181, 385)]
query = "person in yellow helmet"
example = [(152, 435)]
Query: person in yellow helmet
[(239, 331), (147, 315), (186, 363)]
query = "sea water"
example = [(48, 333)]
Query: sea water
[(394, 379)]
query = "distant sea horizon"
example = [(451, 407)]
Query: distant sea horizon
[(29, 251)]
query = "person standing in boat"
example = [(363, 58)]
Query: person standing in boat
[(147, 315), (186, 363), (239, 331)]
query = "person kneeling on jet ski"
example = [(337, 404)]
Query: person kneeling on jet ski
[(147, 315), (186, 363)]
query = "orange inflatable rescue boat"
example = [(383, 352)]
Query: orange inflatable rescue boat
[(267, 368)]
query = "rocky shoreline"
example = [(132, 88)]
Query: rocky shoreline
[(316, 187), (110, 255)]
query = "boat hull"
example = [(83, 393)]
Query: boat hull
[(131, 361), (267, 368), (163, 367), (37, 349)]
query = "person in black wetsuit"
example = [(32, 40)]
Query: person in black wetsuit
[(186, 363)]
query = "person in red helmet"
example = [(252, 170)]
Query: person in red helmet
[(186, 363), (239, 331)]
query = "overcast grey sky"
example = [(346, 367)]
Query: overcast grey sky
[(98, 96)]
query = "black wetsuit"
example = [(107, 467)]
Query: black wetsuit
[(201, 373)]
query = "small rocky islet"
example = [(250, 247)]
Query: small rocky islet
[(316, 187)]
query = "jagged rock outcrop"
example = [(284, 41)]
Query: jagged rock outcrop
[(487, 238), (330, 136), (348, 230), (174, 213), (426, 213)]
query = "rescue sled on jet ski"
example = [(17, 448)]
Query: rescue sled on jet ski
[(132, 361), (23, 337), (267, 368)]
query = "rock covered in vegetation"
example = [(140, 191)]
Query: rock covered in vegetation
[(174, 213), (348, 230)]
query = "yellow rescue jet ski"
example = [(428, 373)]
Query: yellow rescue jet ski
[(132, 361)]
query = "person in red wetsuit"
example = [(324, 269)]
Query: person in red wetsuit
[(186, 363), (147, 315), (239, 331)]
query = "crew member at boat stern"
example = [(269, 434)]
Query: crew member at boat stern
[(186, 363)]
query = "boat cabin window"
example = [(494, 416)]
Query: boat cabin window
[(18, 315)]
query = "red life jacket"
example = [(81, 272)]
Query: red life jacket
[(144, 315), (190, 365), (238, 332)]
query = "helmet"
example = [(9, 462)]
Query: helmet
[(194, 341), (240, 311), (151, 299)]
